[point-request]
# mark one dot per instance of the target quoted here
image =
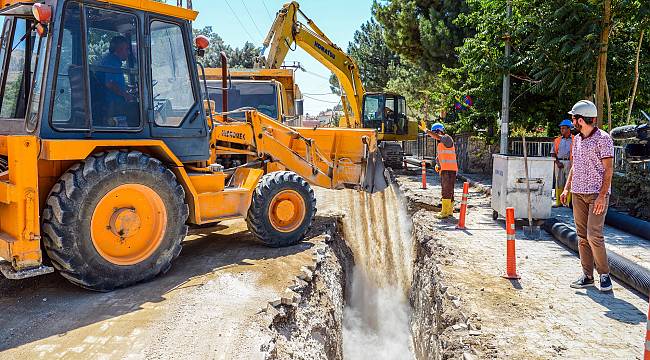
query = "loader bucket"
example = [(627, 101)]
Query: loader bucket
[(376, 175)]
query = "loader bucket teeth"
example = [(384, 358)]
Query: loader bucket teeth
[(376, 174)]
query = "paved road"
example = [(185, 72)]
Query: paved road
[(207, 306), (538, 317)]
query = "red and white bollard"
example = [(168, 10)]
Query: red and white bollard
[(511, 259), (424, 175), (463, 207)]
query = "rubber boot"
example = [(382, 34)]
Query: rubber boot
[(558, 193), (446, 209)]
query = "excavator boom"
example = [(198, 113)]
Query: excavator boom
[(287, 30)]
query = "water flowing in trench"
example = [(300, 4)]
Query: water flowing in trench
[(377, 229)]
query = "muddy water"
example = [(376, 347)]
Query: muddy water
[(376, 317)]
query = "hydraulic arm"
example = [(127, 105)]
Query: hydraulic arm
[(287, 30), (332, 158)]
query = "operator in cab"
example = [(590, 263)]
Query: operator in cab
[(118, 103)]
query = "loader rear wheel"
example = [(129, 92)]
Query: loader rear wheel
[(282, 209), (115, 219)]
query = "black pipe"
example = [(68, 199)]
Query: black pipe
[(632, 274), (628, 224)]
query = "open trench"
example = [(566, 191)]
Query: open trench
[(375, 291)]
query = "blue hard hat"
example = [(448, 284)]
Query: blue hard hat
[(437, 127), (566, 122)]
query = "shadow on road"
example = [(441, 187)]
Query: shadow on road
[(617, 309)]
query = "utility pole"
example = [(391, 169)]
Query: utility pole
[(505, 98)]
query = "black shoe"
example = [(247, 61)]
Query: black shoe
[(583, 282), (605, 282)]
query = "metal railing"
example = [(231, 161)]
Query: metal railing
[(426, 146), (534, 148)]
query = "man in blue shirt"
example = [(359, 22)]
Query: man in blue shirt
[(115, 95)]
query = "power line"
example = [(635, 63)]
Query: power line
[(317, 75), (267, 11), (322, 94), (251, 17), (325, 101), (240, 23)]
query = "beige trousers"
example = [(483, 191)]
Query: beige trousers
[(589, 226)]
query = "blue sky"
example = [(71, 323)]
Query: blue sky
[(338, 19)]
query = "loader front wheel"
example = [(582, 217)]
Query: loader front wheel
[(115, 219), (282, 209)]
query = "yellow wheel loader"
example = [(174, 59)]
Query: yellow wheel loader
[(109, 151)]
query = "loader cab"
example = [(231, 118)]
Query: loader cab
[(385, 112), (97, 70)]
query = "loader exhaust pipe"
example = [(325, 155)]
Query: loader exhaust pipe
[(224, 86)]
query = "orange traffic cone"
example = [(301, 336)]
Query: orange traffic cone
[(424, 175), (511, 259)]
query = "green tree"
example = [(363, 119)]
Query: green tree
[(423, 31), (244, 57), (553, 63), (372, 55)]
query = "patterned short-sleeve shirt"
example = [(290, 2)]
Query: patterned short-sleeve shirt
[(588, 169)]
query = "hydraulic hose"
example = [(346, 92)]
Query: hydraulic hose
[(632, 274), (628, 223)]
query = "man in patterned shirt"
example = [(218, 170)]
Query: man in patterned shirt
[(589, 181)]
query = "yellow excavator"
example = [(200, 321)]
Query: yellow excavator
[(110, 150), (381, 111)]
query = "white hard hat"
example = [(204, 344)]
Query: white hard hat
[(584, 108)]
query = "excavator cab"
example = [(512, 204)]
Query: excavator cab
[(385, 112)]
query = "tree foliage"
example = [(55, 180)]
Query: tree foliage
[(424, 32), (244, 57), (456, 48), (372, 55)]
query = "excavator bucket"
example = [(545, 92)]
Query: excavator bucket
[(376, 175)]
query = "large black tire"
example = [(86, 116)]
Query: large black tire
[(258, 218), (69, 209)]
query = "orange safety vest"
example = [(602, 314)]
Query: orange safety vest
[(557, 146), (447, 158)]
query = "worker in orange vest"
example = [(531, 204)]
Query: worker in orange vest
[(562, 152), (446, 166)]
